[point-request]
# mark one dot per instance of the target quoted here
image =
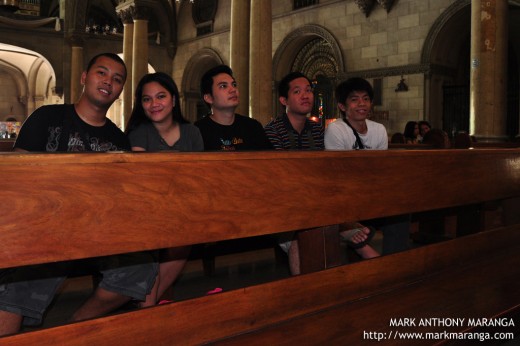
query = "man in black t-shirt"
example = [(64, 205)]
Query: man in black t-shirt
[(26, 292), (223, 129), (82, 126), (60, 128)]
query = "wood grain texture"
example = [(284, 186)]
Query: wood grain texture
[(67, 206), (464, 277)]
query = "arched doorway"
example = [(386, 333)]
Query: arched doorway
[(448, 54), (194, 108), (28, 81), (313, 51)]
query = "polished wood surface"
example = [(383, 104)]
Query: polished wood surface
[(65, 206), (464, 277), (68, 205)]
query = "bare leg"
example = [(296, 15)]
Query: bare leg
[(178, 257), (170, 268), (101, 302), (151, 299), (294, 258), (367, 252), (10, 323)]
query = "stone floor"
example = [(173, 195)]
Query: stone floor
[(231, 271)]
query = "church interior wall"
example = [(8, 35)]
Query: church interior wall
[(9, 98), (389, 46), (377, 42)]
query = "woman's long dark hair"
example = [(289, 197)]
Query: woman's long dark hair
[(138, 115), (409, 130)]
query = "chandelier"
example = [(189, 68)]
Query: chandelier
[(98, 29)]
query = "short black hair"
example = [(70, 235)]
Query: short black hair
[(283, 86), (353, 84), (112, 56), (424, 122), (206, 82)]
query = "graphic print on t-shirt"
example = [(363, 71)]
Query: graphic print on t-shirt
[(76, 142), (229, 144)]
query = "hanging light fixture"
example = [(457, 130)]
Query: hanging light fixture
[(10, 5), (365, 6), (386, 4)]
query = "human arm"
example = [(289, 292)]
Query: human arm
[(273, 136), (196, 139), (262, 141), (383, 138), (34, 133), (335, 138), (138, 139)]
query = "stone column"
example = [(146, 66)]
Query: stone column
[(128, 91), (488, 76), (76, 68), (139, 45), (239, 50), (260, 64)]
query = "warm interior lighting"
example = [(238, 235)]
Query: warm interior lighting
[(9, 5)]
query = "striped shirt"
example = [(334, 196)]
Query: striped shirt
[(284, 137)]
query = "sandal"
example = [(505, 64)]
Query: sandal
[(349, 234)]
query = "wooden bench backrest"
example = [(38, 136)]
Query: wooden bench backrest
[(70, 206), (446, 280)]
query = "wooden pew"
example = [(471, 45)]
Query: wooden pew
[(71, 206), (463, 140), (6, 144), (438, 225), (408, 146)]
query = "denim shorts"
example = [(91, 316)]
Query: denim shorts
[(28, 291)]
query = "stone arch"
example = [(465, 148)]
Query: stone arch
[(199, 63), (31, 73), (431, 42), (17, 99), (292, 54), (442, 53), (446, 51), (294, 42)]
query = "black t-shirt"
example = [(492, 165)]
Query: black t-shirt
[(59, 128), (244, 134)]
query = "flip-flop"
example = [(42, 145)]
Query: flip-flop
[(347, 236)]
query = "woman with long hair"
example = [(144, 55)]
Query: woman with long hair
[(157, 124), (411, 132)]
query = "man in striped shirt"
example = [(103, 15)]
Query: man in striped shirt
[(293, 130)]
